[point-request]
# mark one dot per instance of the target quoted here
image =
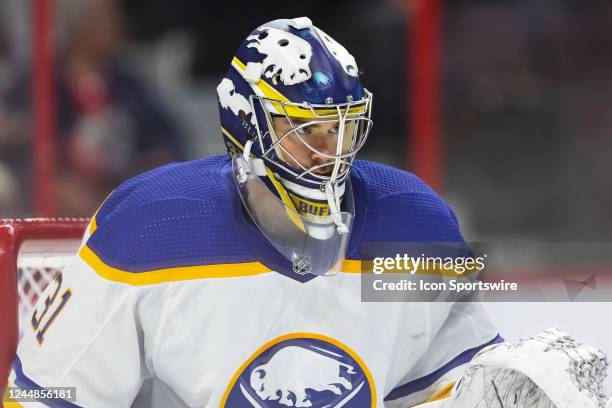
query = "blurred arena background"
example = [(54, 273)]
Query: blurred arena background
[(504, 107), (525, 90)]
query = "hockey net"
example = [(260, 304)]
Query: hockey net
[(32, 251)]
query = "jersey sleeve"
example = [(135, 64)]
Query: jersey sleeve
[(465, 328), (465, 332), (86, 334)]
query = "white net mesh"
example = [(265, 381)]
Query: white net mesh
[(37, 264)]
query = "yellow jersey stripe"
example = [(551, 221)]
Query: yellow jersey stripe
[(214, 271), (351, 266), (171, 274), (237, 270), (13, 404), (442, 393), (5, 397)]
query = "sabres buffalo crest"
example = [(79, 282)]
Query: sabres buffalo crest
[(303, 370)]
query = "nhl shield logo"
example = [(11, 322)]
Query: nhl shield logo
[(302, 370)]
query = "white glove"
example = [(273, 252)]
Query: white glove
[(551, 370), (486, 387)]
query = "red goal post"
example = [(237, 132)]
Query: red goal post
[(15, 286)]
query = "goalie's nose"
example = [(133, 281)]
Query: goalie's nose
[(324, 164), (324, 144)]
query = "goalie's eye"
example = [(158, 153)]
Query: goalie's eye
[(307, 130), (303, 131)]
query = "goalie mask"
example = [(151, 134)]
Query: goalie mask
[(293, 116)]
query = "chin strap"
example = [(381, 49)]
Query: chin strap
[(333, 200), (246, 153), (256, 165)]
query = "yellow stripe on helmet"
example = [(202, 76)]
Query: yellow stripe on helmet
[(268, 91)]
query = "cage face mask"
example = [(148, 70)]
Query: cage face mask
[(313, 157)]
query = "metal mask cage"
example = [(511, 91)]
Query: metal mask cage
[(354, 115)]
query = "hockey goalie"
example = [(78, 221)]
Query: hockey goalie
[(234, 282)]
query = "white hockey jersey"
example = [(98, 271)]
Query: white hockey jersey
[(174, 286)]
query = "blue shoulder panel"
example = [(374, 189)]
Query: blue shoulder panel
[(399, 207), (189, 214), (181, 214)]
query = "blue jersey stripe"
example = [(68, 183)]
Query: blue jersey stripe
[(22, 381), (424, 382)]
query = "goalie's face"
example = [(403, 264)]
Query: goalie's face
[(313, 144)]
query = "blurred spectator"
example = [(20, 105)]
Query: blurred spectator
[(9, 193), (527, 116), (13, 142), (110, 124)]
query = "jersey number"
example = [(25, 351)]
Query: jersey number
[(37, 320)]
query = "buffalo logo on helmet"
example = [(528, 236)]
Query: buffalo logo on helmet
[(232, 100), (302, 371), (287, 56)]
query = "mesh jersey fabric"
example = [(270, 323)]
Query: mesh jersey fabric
[(188, 214)]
